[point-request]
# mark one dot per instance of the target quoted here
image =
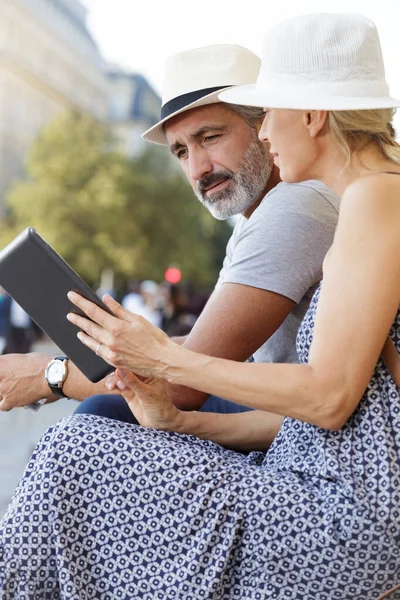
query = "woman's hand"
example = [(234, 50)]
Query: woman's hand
[(148, 400), (124, 340)]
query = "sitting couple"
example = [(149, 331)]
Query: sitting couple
[(170, 508)]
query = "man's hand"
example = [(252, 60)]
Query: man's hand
[(22, 379)]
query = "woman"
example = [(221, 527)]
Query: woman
[(110, 510)]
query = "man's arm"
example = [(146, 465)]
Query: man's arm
[(22, 381), (281, 248), (180, 339), (235, 322)]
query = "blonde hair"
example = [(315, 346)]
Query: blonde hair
[(353, 130)]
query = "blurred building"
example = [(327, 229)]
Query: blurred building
[(134, 107), (48, 61)]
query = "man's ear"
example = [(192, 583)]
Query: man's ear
[(315, 121)]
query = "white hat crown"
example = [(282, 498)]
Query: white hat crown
[(195, 78), (320, 61)]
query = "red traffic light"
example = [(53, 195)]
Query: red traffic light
[(173, 275)]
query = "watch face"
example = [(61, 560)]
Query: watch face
[(56, 372)]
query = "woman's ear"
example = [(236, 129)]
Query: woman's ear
[(315, 121)]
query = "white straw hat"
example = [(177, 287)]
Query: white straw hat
[(321, 62), (195, 78)]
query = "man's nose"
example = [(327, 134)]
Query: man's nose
[(199, 164), (262, 134)]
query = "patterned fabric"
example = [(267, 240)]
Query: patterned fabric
[(108, 510)]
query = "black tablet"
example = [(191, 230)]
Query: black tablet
[(38, 279)]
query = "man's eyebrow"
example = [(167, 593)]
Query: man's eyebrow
[(198, 133), (206, 129)]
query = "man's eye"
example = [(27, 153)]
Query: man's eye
[(210, 138), (181, 153)]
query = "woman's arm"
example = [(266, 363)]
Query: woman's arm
[(252, 430), (358, 302), (359, 299), (150, 403)]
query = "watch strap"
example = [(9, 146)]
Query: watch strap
[(57, 390)]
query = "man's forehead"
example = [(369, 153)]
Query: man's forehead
[(192, 121)]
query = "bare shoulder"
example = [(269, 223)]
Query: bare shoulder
[(376, 186), (376, 195)]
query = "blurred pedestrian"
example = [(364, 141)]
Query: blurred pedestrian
[(144, 302), (176, 319), (20, 332), (132, 300)]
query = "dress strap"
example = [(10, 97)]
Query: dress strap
[(391, 359), (389, 592)]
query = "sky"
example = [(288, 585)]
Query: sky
[(139, 34)]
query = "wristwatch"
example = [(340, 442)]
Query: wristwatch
[(56, 373)]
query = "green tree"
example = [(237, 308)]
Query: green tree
[(100, 209)]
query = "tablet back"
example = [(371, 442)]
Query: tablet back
[(38, 279)]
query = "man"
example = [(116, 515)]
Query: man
[(275, 254), (21, 333), (274, 257)]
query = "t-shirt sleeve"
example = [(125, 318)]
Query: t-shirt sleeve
[(229, 252), (282, 246)]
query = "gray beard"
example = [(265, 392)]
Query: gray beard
[(244, 188)]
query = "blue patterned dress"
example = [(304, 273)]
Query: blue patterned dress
[(107, 510)]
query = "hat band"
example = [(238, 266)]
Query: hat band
[(172, 106)]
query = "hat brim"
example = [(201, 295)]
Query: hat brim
[(156, 134), (292, 98)]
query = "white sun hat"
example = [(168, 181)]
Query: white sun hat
[(195, 78), (320, 62)]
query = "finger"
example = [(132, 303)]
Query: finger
[(4, 407), (111, 382), (130, 380), (92, 329), (126, 391), (94, 312), (118, 310), (104, 352)]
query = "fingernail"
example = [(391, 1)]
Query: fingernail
[(80, 335), (121, 385), (109, 384), (71, 295), (69, 316), (122, 373)]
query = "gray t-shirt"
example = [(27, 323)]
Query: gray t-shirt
[(281, 248)]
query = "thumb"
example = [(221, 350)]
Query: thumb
[(130, 380)]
